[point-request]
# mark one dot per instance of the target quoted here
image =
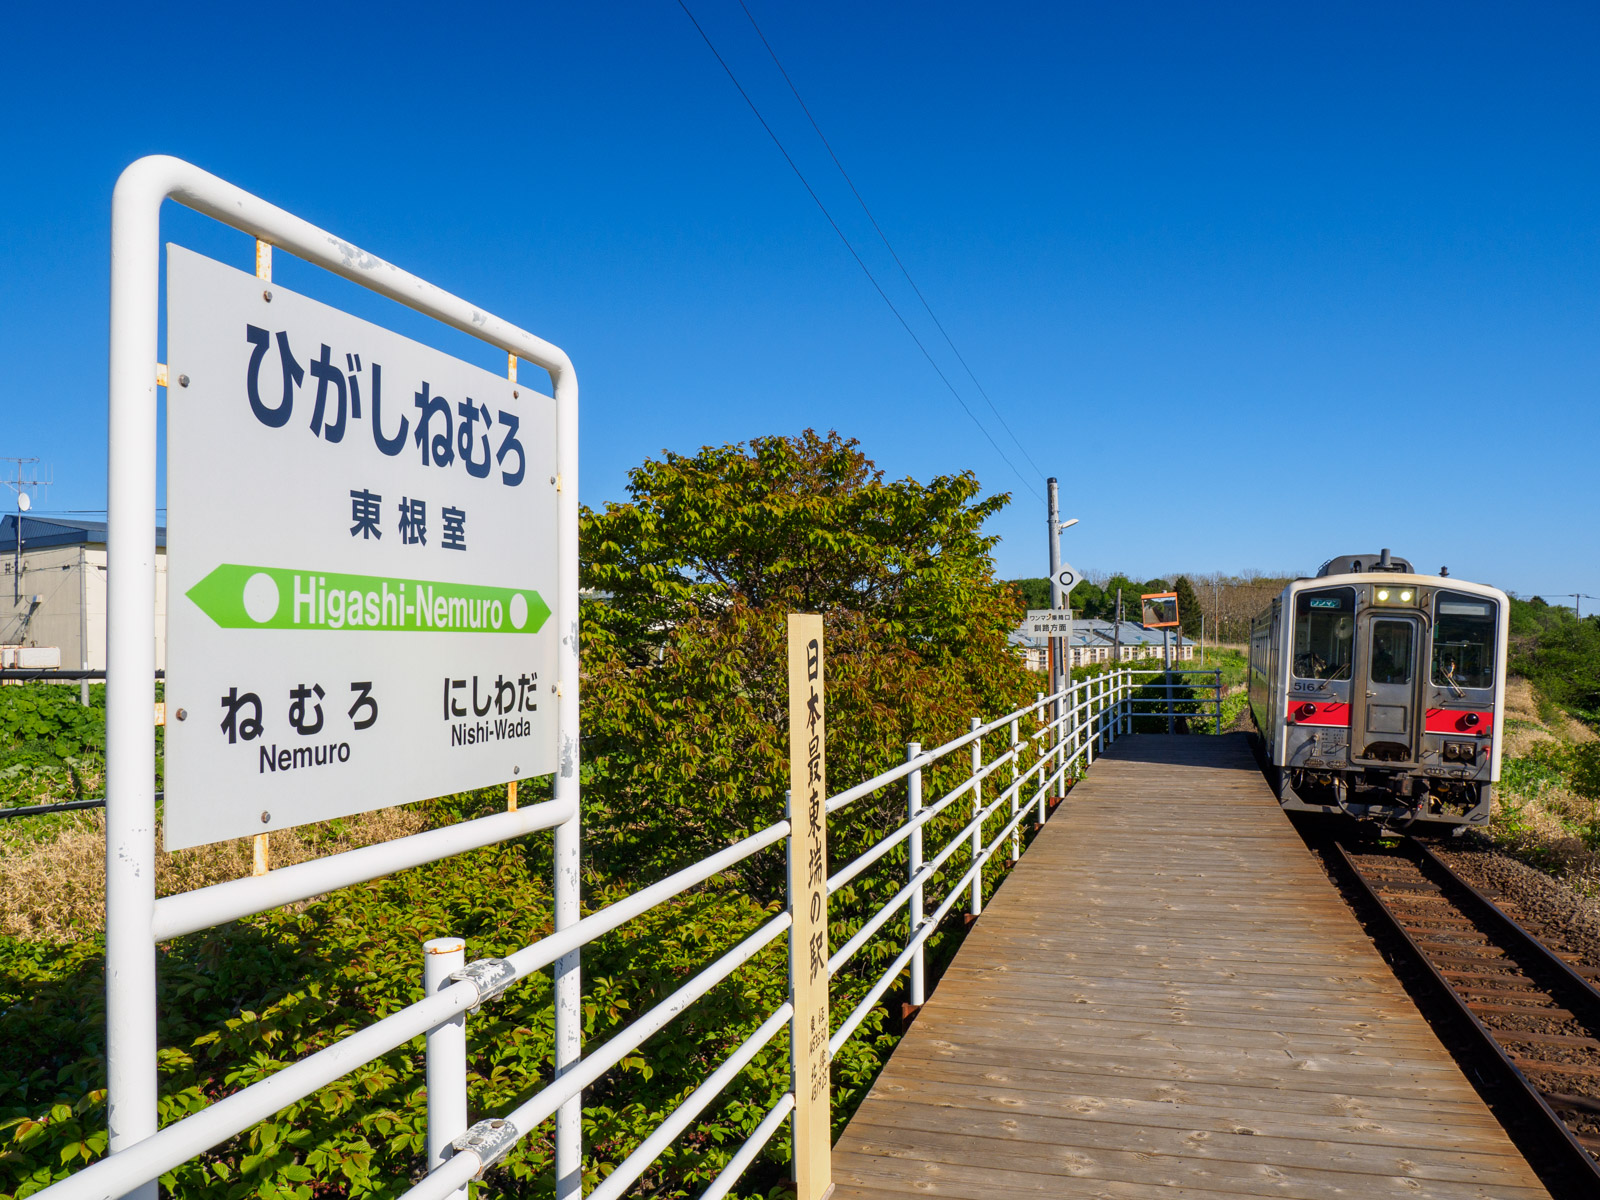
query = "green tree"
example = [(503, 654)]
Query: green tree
[(685, 697), (1035, 593), (1189, 611)]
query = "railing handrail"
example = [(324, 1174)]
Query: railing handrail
[(1095, 708)]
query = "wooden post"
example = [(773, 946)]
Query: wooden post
[(511, 796), (808, 903)]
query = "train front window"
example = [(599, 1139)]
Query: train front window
[(1463, 642), (1324, 633), (1391, 651)]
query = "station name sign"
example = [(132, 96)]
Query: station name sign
[(361, 564)]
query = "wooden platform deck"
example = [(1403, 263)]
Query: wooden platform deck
[(1168, 998)]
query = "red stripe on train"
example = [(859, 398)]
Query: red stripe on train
[(1454, 720), (1319, 712)]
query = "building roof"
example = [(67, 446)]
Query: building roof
[(39, 532), (1092, 631)]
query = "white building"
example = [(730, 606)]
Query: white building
[(1095, 641), (53, 593)]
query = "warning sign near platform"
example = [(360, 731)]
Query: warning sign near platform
[(361, 564)]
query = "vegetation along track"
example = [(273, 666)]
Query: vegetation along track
[(1535, 1014)]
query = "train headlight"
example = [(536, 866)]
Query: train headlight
[(1384, 595)]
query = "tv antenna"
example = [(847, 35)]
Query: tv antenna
[(23, 479)]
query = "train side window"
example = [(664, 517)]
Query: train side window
[(1463, 641), (1324, 633)]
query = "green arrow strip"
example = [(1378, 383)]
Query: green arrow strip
[(242, 597)]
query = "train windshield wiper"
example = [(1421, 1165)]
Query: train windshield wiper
[(1450, 678)]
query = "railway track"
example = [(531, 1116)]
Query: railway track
[(1534, 1014)]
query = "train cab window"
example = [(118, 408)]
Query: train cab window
[(1463, 641), (1324, 633), (1391, 651)]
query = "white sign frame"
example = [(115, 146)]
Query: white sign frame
[(135, 920), (304, 706)]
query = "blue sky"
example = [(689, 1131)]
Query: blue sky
[(1261, 283)]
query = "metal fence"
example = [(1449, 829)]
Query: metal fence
[(1040, 745)]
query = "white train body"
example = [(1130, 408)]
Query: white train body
[(1379, 693)]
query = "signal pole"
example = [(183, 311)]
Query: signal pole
[(1058, 677)]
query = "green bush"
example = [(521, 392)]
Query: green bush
[(685, 723)]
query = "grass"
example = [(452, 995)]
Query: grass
[(53, 887), (1544, 810)]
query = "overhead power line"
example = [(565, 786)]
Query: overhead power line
[(884, 238), (860, 262)]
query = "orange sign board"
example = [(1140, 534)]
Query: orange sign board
[(1160, 610)]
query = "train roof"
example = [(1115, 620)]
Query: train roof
[(1363, 564), (1397, 578)]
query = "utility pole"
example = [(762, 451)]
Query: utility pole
[(1116, 632), (1060, 675), (24, 481)]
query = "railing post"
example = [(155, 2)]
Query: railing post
[(1016, 793), (1069, 730), (919, 978), (445, 1055), (1111, 706), (1086, 725), (1218, 675), (1038, 698), (1171, 717), (977, 834)]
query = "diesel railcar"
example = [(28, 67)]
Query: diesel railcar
[(1377, 692)]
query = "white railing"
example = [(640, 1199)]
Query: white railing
[(1068, 731)]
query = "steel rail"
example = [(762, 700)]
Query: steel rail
[(1525, 940), (1555, 1131)]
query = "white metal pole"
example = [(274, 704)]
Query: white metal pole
[(1166, 655), (568, 990), (131, 665), (1087, 723), (919, 979), (1056, 597), (1016, 793), (1038, 698), (83, 622), (977, 833), (445, 1054)]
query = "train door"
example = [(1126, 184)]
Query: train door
[(1383, 729)]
